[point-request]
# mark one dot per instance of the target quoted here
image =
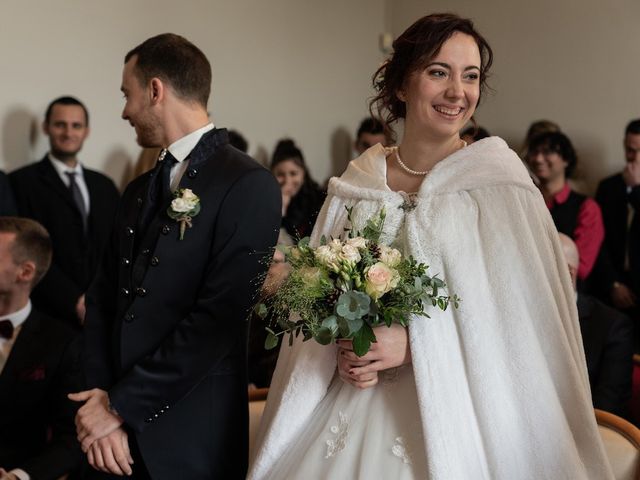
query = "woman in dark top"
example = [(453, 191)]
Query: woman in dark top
[(301, 196)]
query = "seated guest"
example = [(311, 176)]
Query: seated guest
[(370, 132), (619, 198), (473, 134), (552, 160), (607, 337), (7, 203), (76, 205), (301, 196), (38, 364)]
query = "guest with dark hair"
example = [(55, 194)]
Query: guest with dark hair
[(619, 198), (301, 195), (76, 205), (237, 140), (535, 129), (552, 159), (370, 132), (39, 364), (473, 134), (7, 202)]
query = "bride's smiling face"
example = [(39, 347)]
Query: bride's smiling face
[(441, 97)]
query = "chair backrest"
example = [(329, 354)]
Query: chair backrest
[(622, 444), (257, 401)]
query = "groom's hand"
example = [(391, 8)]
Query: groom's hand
[(111, 454), (391, 350), (94, 420)]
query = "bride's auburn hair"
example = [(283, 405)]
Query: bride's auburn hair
[(412, 51)]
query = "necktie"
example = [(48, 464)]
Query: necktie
[(159, 189), (6, 329), (77, 198)]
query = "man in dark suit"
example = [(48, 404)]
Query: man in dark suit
[(7, 202), (39, 364), (166, 329), (619, 199), (607, 338), (76, 205)]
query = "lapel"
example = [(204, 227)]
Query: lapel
[(24, 351), (50, 177)]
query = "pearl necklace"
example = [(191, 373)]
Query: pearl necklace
[(414, 172)]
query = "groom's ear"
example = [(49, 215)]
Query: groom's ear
[(156, 90)]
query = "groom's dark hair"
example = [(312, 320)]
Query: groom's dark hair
[(176, 61)]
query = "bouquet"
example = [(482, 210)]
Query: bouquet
[(345, 287)]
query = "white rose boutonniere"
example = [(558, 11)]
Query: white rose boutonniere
[(183, 208)]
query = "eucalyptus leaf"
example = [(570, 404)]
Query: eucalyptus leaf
[(353, 304), (271, 341)]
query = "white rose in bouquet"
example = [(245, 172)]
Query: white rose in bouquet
[(380, 279), (326, 255), (357, 242), (390, 256), (349, 254)]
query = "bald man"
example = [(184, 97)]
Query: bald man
[(607, 336)]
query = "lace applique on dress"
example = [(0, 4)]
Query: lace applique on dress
[(341, 431), (401, 450)]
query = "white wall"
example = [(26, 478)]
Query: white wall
[(576, 62), (280, 67)]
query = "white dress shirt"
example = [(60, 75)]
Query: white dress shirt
[(180, 149), (62, 168)]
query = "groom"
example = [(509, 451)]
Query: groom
[(166, 328)]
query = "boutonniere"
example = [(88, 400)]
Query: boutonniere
[(183, 208)]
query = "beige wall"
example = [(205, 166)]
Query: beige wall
[(576, 62), (280, 67)]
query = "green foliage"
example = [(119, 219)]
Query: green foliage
[(324, 298)]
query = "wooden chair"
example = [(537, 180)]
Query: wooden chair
[(257, 401), (622, 444)]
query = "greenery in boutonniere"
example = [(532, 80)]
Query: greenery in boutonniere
[(183, 208), (345, 287)]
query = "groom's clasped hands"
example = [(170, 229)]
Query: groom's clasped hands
[(100, 433), (391, 350)]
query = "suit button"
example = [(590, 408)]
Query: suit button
[(166, 229), (129, 317), (155, 415), (139, 201), (141, 292), (124, 292), (125, 261), (148, 420), (191, 173), (166, 407), (155, 261), (145, 251), (128, 231)]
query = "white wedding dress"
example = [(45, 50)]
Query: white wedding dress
[(373, 433)]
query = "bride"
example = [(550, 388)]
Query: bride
[(496, 389)]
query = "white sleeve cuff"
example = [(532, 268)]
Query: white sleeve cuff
[(21, 474)]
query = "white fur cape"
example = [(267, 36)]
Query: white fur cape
[(502, 385)]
